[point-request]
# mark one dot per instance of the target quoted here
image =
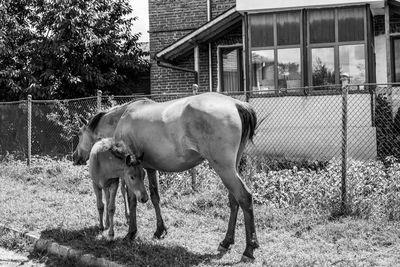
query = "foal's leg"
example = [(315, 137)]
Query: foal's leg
[(230, 233), (161, 230), (132, 216), (123, 192), (242, 195), (113, 188), (106, 190), (100, 205)]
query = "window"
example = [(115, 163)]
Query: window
[(263, 70), (352, 62), (276, 50), (289, 68), (323, 66), (396, 59), (231, 69), (322, 25), (337, 44)]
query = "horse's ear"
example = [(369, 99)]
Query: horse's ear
[(140, 158), (117, 151), (131, 160), (83, 120)]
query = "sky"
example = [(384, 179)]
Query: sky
[(141, 11)]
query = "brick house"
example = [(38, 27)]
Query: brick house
[(236, 45), (296, 46)]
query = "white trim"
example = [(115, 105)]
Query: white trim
[(267, 5), (188, 37)]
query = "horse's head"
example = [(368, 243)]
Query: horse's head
[(86, 142), (134, 178)]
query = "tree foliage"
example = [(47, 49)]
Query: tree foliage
[(66, 48)]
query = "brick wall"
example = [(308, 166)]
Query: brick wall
[(220, 6), (171, 20)]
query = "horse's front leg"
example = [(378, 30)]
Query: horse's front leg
[(132, 216), (230, 233), (161, 230), (100, 204), (123, 192)]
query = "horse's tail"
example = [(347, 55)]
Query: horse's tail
[(249, 124)]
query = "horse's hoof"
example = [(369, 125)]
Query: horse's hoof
[(130, 237), (247, 259), (160, 234), (222, 249)]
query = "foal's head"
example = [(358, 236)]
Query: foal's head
[(133, 171)]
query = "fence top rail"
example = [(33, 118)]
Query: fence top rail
[(13, 102), (63, 100)]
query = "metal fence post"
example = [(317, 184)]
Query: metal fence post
[(29, 152), (193, 172), (345, 89), (99, 94)]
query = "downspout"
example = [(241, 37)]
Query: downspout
[(170, 66), (210, 79)]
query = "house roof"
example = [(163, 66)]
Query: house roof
[(204, 34)]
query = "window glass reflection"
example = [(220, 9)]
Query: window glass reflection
[(289, 68), (352, 62), (323, 66), (263, 70)]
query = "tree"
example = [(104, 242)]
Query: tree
[(66, 48)]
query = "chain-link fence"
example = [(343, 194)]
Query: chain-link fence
[(303, 123), (359, 122)]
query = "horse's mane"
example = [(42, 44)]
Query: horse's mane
[(94, 121)]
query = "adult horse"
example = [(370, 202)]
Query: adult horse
[(179, 134)]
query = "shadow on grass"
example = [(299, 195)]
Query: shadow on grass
[(132, 253)]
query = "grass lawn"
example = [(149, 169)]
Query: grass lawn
[(56, 200)]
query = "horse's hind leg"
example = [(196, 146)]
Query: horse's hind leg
[(112, 189), (161, 230), (100, 205), (242, 195), (230, 233)]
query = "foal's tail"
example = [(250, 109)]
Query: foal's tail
[(249, 124)]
